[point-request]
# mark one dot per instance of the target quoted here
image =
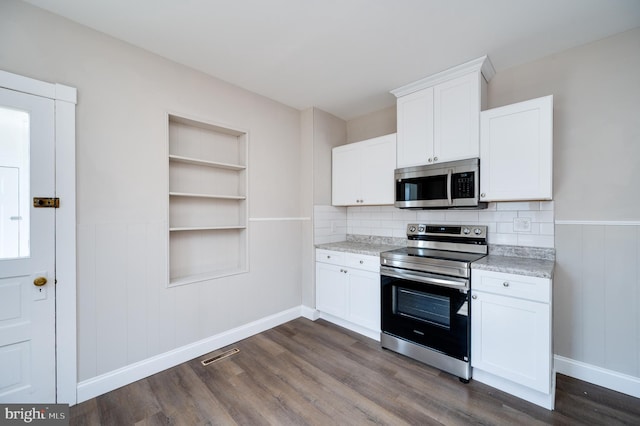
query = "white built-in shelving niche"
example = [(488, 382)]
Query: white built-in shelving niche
[(207, 201)]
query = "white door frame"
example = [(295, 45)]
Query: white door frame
[(64, 98)]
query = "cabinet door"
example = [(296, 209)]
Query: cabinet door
[(415, 128), (377, 167), (457, 118), (516, 151), (345, 175), (511, 338), (331, 289), (364, 298)]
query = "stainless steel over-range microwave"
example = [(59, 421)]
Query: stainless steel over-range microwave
[(455, 184)]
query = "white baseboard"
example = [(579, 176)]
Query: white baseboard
[(609, 379), (107, 382), (310, 313)]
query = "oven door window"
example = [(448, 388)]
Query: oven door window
[(429, 308)]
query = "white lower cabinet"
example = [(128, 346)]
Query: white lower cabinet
[(348, 290), (511, 335)]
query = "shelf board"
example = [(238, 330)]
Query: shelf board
[(189, 279), (212, 196), (188, 160), (206, 228)]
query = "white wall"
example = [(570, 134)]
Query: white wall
[(125, 311)]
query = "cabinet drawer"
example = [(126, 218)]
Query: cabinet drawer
[(362, 261), (521, 286), (329, 256)]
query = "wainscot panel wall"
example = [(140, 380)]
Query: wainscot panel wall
[(129, 322), (597, 302)]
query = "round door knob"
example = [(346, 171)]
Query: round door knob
[(483, 195), (362, 262), (429, 160), (40, 281), (435, 158), (474, 297), (506, 284)]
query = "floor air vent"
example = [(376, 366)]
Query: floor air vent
[(223, 355)]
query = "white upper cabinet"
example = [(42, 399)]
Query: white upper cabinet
[(415, 128), (516, 151), (457, 118), (362, 172), (438, 117)]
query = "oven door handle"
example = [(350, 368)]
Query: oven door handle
[(449, 178), (423, 278)]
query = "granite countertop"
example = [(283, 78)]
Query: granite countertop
[(528, 261), (368, 245)]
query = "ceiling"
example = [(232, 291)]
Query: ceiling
[(343, 56)]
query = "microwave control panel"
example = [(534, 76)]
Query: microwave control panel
[(463, 185)]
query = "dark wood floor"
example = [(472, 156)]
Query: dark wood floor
[(316, 373)]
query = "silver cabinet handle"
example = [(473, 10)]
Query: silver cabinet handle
[(474, 297), (506, 284), (435, 158), (430, 160), (362, 262), (483, 195)]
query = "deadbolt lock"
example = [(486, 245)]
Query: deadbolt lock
[(40, 281)]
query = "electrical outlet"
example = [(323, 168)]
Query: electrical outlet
[(522, 224)]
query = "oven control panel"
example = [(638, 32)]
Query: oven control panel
[(470, 231)]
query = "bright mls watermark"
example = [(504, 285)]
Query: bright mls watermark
[(35, 414)]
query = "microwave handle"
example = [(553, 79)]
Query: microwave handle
[(449, 177)]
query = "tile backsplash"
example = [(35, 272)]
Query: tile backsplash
[(528, 224)]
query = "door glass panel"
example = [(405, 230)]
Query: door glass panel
[(14, 183)]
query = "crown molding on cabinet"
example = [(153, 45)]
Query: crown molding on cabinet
[(482, 64)]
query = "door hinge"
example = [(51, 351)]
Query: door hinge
[(53, 203)]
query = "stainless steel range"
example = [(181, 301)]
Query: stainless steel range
[(425, 295)]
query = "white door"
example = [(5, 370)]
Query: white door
[(415, 129), (345, 175), (378, 163), (456, 126), (27, 311)]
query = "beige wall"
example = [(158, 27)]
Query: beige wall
[(596, 90), (125, 311), (369, 126), (328, 131)]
